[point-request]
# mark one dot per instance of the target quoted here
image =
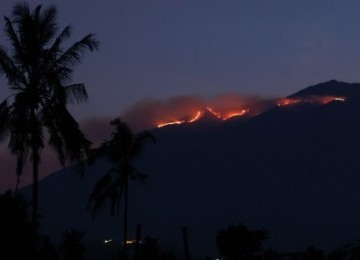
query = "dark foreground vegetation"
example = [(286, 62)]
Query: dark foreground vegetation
[(18, 241)]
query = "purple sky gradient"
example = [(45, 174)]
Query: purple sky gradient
[(159, 49)]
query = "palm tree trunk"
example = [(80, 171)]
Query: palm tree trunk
[(137, 245), (185, 243), (35, 165), (125, 227), (35, 191)]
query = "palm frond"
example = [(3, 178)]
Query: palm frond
[(18, 144), (20, 11), (108, 188), (47, 24), (12, 73), (137, 176), (20, 162), (55, 140), (140, 141), (56, 143), (22, 18), (76, 93), (98, 153), (63, 73), (63, 126), (76, 52), (121, 140), (4, 120), (36, 13), (15, 41), (55, 48)]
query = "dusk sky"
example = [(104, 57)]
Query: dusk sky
[(158, 49)]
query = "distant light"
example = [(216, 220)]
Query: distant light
[(339, 99), (106, 241), (131, 241)]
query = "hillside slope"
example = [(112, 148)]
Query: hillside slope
[(294, 170)]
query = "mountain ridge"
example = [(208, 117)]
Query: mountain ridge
[(333, 88), (293, 170)]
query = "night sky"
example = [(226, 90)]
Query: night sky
[(159, 49)]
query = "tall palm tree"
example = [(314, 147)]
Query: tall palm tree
[(38, 72), (121, 150)]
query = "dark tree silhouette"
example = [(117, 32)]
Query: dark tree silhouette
[(72, 247), (121, 150), (150, 249), (17, 236), (337, 254), (38, 72), (238, 242), (311, 253), (47, 250)]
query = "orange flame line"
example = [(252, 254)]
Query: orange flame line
[(212, 111), (199, 114), (196, 117), (314, 99), (243, 112), (178, 122)]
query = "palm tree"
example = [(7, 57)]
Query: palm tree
[(121, 150), (38, 72)]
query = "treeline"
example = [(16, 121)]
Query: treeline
[(19, 240)]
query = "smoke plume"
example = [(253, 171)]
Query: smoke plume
[(149, 113)]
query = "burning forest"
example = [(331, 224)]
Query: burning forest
[(311, 99), (149, 114)]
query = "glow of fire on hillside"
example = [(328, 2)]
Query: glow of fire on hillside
[(238, 113), (313, 99), (199, 114)]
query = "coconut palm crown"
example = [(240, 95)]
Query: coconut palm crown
[(38, 71)]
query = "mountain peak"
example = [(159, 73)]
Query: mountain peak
[(330, 88), (209, 115)]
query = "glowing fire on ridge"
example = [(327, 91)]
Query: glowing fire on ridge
[(313, 99), (225, 115), (230, 115), (199, 115), (177, 122)]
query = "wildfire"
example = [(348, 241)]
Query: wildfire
[(176, 122), (196, 117), (225, 115), (313, 99), (212, 111), (234, 114), (199, 114), (228, 114), (287, 101)]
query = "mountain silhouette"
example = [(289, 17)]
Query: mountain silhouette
[(331, 88), (293, 170)]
